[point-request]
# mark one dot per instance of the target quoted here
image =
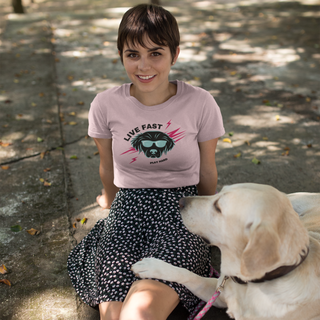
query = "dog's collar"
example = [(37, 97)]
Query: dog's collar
[(275, 274)]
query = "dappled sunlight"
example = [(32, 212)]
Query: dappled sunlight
[(260, 117), (276, 57)]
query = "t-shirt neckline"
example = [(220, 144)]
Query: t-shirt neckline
[(157, 106)]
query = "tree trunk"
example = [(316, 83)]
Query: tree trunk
[(17, 6)]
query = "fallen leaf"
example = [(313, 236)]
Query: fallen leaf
[(265, 138), (41, 94), (33, 232), (48, 121), (46, 169), (96, 153), (84, 220), (16, 81), (256, 161), (70, 78), (8, 101), (231, 133), (5, 281), (2, 144), (308, 99), (74, 225), (41, 180), (309, 145), (74, 157), (114, 61), (5, 167), (277, 117), (247, 143), (3, 269), (226, 140), (5, 126), (16, 228), (233, 73), (47, 184), (72, 113), (238, 155), (286, 153), (72, 123), (286, 148), (39, 139), (78, 219), (80, 103), (42, 154), (196, 78)]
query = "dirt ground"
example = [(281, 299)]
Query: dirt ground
[(259, 59)]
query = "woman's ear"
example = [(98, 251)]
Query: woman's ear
[(120, 56), (176, 56)]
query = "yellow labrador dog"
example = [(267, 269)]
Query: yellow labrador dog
[(270, 249)]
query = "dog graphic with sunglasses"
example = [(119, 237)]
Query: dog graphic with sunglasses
[(153, 143)]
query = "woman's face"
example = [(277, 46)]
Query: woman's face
[(148, 68)]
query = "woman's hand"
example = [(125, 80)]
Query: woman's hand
[(103, 200)]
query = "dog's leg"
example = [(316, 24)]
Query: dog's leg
[(202, 287)]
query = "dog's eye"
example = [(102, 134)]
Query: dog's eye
[(216, 206)]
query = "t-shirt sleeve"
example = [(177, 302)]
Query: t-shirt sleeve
[(98, 125), (211, 123)]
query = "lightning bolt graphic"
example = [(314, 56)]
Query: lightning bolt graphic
[(168, 124), (176, 135), (134, 159), (131, 150)]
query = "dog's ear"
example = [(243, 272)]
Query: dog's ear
[(262, 251)]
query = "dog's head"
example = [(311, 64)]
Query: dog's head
[(153, 143), (254, 226)]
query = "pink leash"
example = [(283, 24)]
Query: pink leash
[(196, 315)]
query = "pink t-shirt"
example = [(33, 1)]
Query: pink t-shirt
[(155, 146)]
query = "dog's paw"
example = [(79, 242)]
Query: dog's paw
[(152, 268)]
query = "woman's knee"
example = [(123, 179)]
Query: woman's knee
[(149, 299), (110, 310)]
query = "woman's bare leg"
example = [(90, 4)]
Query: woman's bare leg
[(110, 310), (149, 299)]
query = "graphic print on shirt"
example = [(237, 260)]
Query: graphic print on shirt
[(153, 144)]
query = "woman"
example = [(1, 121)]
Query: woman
[(156, 139)]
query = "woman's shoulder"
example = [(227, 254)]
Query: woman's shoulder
[(118, 92), (193, 92)]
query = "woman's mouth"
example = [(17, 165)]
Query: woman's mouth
[(145, 78)]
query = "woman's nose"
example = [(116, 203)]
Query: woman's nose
[(144, 64)]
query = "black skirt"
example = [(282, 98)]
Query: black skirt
[(141, 223)]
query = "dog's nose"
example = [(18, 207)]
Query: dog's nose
[(182, 203)]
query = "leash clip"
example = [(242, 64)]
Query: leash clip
[(221, 287)]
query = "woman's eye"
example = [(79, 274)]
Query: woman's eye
[(156, 54), (132, 55)]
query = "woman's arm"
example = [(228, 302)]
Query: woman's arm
[(106, 173), (208, 169)]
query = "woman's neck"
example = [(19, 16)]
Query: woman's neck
[(152, 98)]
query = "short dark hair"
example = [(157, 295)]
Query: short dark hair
[(151, 20)]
